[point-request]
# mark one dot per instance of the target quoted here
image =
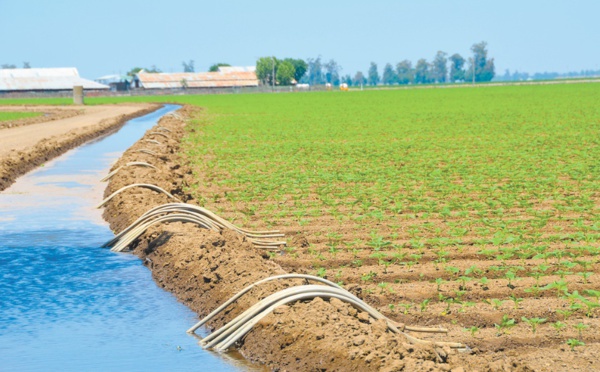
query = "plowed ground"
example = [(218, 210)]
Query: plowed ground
[(439, 214)]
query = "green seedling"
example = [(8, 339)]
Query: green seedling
[(472, 330), (534, 322), (516, 300), (505, 324), (423, 304), (558, 326), (580, 327), (438, 283), (405, 307), (496, 303), (573, 343), (484, 283)]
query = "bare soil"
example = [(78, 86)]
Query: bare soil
[(203, 269), (25, 147)]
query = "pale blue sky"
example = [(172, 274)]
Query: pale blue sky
[(111, 36)]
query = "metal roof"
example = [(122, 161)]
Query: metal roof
[(229, 69), (220, 79), (44, 79)]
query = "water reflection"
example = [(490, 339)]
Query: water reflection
[(65, 303)]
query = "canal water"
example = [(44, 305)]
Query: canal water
[(68, 305)]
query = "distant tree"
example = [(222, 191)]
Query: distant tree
[(153, 70), (389, 75), (439, 69), (300, 67), (457, 68), (481, 66), (347, 79), (26, 65), (134, 71), (285, 73), (315, 74), (520, 76), (404, 72), (188, 67), (422, 73), (215, 67), (359, 79), (373, 74), (264, 69), (7, 66), (332, 72)]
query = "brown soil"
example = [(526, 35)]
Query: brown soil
[(26, 147), (48, 113), (203, 269)]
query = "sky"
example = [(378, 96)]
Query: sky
[(113, 36)]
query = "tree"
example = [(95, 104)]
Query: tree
[(480, 64), (134, 71), (153, 70), (389, 76), (265, 67), (315, 74), (422, 72), (188, 67), (7, 66), (439, 70), (300, 67), (359, 79), (373, 74), (457, 71), (332, 72), (347, 79), (285, 73), (215, 66), (26, 65), (404, 72)]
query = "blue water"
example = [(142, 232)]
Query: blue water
[(68, 305)]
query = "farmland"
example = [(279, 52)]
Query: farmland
[(474, 209)]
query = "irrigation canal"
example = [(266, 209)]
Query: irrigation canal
[(67, 304)]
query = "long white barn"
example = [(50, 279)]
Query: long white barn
[(44, 79)]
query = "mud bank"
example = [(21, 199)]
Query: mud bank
[(16, 163), (204, 268)]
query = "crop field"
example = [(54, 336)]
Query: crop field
[(12, 115), (474, 209)]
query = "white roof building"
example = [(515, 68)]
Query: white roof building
[(45, 79)]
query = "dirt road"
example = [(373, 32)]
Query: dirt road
[(26, 136), (26, 147)]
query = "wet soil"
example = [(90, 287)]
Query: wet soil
[(204, 268)]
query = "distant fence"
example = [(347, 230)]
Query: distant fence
[(162, 92)]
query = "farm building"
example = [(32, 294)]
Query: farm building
[(44, 79), (117, 83), (225, 77)]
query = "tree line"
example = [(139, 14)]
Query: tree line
[(441, 69), (9, 66)]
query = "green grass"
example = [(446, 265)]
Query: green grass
[(6, 116)]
